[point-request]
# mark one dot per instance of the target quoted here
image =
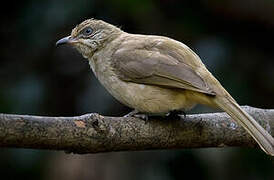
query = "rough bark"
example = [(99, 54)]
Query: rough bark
[(93, 133)]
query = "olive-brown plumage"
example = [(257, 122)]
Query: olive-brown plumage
[(155, 74)]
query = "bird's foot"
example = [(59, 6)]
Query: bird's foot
[(132, 113), (142, 116), (176, 114), (137, 114)]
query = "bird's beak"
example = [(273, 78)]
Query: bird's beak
[(65, 40)]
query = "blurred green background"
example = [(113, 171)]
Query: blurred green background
[(233, 38)]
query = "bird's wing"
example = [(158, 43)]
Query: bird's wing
[(160, 63)]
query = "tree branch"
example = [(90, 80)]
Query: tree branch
[(93, 133)]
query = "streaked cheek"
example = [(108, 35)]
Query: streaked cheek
[(91, 43), (86, 47)]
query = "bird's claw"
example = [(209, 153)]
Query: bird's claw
[(132, 113), (135, 113), (175, 114), (142, 116)]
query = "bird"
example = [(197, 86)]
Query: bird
[(156, 75)]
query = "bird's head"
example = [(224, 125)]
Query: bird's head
[(90, 36)]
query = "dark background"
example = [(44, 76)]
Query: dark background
[(233, 38)]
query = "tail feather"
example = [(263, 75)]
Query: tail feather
[(263, 138)]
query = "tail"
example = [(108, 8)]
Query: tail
[(263, 138)]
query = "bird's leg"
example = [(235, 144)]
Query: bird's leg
[(132, 113), (137, 114), (175, 114)]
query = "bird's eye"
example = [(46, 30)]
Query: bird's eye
[(87, 31)]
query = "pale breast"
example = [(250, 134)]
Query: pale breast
[(145, 98)]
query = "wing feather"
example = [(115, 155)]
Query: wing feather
[(159, 64)]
